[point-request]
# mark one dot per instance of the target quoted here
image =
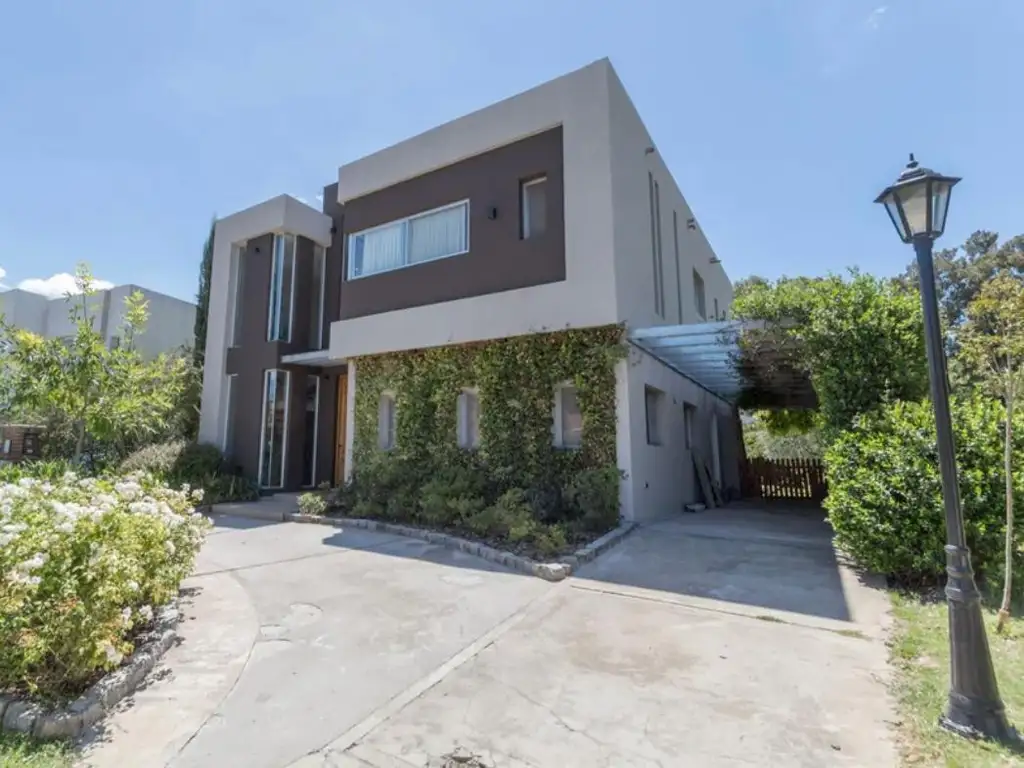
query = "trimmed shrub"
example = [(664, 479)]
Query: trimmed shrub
[(312, 503), (180, 463), (83, 564), (885, 494)]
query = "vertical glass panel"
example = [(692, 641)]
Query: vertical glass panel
[(284, 332), (940, 205), (310, 429), (274, 297), (236, 325), (275, 417), (386, 422), (316, 310), (699, 297), (438, 234), (229, 427), (468, 419), (572, 419), (914, 201)]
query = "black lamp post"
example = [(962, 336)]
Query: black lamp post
[(917, 203)]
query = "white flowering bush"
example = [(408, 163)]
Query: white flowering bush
[(84, 562)]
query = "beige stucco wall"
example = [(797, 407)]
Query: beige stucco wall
[(660, 479)]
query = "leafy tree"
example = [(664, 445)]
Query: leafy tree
[(859, 340), (782, 435), (113, 398), (992, 341), (961, 272)]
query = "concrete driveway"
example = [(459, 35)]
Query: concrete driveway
[(731, 637)]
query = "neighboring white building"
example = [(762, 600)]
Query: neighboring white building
[(171, 321)]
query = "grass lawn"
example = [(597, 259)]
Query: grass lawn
[(18, 752), (920, 657)]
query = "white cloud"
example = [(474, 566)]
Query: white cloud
[(56, 286), (874, 19)]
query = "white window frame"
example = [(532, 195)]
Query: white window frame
[(387, 438), (467, 438), (277, 293), (316, 425), (263, 424), (524, 222), (558, 435), (404, 224)]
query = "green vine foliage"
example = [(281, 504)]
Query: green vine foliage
[(516, 380)]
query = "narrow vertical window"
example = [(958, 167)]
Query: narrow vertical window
[(689, 416), (386, 425), (468, 419), (716, 309), (229, 426), (533, 207), (679, 272), (660, 277), (309, 435), (282, 285), (239, 292), (698, 295), (653, 195), (275, 426), (653, 399), (316, 310), (568, 418)]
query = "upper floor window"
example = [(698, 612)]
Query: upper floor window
[(533, 207), (467, 419), (282, 286), (424, 237), (698, 295)]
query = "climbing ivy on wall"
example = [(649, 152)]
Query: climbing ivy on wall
[(516, 380)]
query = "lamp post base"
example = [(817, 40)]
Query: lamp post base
[(974, 709)]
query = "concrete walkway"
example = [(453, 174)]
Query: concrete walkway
[(731, 637)]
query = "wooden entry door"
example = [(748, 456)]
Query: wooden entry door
[(339, 429)]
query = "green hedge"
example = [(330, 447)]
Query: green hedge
[(885, 496)]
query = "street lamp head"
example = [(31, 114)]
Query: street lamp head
[(918, 201)]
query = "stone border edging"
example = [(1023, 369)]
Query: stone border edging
[(69, 722), (548, 571)]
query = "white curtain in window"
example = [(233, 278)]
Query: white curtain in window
[(437, 234), (379, 250)]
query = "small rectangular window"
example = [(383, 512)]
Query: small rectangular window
[(468, 419), (569, 420), (533, 207), (698, 295), (386, 422), (115, 342), (716, 310), (7, 446), (653, 399)]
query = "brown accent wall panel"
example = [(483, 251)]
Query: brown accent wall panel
[(498, 259)]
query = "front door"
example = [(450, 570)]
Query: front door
[(339, 430)]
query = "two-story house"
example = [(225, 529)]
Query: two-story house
[(552, 209)]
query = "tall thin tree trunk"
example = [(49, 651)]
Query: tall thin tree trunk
[(1004, 609)]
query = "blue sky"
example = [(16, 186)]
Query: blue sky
[(125, 125)]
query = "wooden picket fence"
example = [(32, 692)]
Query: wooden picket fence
[(784, 479)]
